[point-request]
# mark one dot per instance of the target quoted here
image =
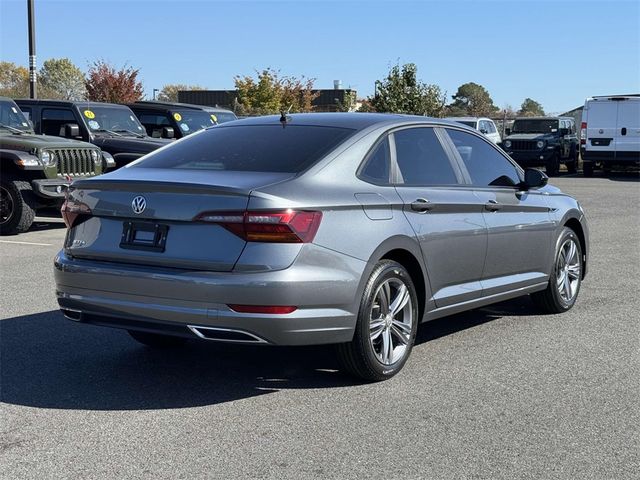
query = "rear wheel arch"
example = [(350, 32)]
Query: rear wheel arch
[(574, 224), (412, 265)]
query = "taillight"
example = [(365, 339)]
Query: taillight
[(583, 133), (269, 309), (72, 211), (287, 226)]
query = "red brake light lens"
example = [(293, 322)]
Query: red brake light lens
[(72, 211), (583, 133), (287, 226), (269, 309)]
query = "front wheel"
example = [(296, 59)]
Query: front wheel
[(16, 211), (566, 278), (386, 326), (552, 166)]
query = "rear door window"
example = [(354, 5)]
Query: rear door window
[(256, 148), (421, 158)]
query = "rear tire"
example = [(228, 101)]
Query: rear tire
[(386, 326), (564, 285), (156, 340), (552, 166), (16, 206), (587, 169)]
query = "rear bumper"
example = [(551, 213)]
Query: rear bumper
[(174, 301), (619, 158)]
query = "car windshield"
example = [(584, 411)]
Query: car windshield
[(12, 117), (468, 123), (535, 126), (222, 117), (120, 120), (191, 121), (251, 148)]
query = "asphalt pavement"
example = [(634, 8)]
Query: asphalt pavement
[(497, 393)]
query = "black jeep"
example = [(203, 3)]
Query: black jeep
[(114, 128), (543, 141), (168, 120)]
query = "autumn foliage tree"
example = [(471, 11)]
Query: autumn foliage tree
[(60, 78), (271, 93), (106, 84), (14, 80)]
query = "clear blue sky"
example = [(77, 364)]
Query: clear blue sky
[(556, 52)]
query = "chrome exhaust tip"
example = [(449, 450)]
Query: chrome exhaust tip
[(71, 314), (229, 335)]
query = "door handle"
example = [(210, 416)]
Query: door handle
[(623, 131), (492, 206), (421, 205)]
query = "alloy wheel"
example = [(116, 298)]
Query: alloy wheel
[(391, 321), (6, 206), (568, 270)]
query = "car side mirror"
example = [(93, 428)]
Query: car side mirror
[(507, 131), (167, 132), (71, 130), (482, 130), (534, 178)]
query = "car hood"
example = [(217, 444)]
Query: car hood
[(31, 140), (130, 144), (529, 136)]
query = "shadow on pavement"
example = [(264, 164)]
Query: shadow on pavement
[(49, 362)]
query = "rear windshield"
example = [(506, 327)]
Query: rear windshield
[(255, 148)]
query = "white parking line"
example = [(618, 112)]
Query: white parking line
[(27, 243)]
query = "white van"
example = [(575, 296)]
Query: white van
[(610, 132), (482, 124)]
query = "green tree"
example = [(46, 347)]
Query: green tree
[(473, 100), (14, 80), (60, 78), (169, 92), (106, 84), (402, 92), (530, 108), (271, 93)]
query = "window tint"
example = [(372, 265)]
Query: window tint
[(54, 120), (421, 158), (58, 114), (491, 128), (485, 165), (255, 148), (377, 167)]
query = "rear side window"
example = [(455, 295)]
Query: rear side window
[(252, 148), (421, 158), (486, 166), (377, 166)]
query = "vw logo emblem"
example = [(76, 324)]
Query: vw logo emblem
[(138, 204)]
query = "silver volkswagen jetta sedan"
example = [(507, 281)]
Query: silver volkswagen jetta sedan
[(349, 229)]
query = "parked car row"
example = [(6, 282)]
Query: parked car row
[(46, 144), (609, 137)]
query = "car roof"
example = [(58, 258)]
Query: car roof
[(157, 105), (466, 119), (82, 103), (545, 118), (355, 120)]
